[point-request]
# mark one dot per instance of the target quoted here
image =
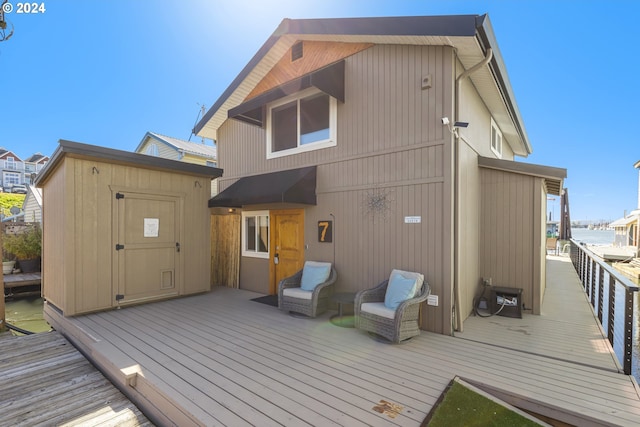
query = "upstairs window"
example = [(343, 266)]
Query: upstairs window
[(299, 123), (496, 139)]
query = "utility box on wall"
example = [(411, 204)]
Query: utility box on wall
[(506, 301), (122, 228)]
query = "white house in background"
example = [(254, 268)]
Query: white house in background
[(627, 228), (154, 144), (32, 205)]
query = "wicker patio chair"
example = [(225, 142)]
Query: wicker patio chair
[(376, 318), (292, 298)]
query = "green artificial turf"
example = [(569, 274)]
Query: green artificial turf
[(464, 407)]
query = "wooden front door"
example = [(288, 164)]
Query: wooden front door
[(287, 245), (147, 246)]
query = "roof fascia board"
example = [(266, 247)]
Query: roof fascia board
[(80, 150), (487, 39), (264, 49), (522, 168)]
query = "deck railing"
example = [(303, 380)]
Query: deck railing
[(612, 296)]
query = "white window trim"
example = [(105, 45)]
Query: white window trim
[(152, 150), (498, 151), (248, 253), (333, 121)]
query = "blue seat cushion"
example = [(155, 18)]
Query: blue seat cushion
[(313, 274), (399, 289)]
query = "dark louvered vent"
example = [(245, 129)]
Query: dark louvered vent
[(296, 51)]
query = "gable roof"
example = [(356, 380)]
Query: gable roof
[(4, 153), (36, 158), (180, 145), (470, 35)]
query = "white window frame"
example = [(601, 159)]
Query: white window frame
[(312, 146), (152, 150), (254, 253), (497, 149), (12, 178)]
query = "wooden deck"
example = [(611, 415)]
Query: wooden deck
[(17, 284), (221, 359), (44, 380)]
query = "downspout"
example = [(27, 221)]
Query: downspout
[(456, 203)]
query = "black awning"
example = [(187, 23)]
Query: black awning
[(329, 80), (290, 186)]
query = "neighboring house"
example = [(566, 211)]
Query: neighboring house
[(33, 165), (157, 145), (16, 171), (32, 205), (154, 144), (12, 168), (381, 143), (627, 229)]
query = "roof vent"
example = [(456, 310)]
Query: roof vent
[(296, 51)]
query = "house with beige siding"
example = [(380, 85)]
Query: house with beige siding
[(155, 144), (32, 205), (374, 144)]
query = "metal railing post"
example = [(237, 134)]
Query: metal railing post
[(612, 308), (600, 294), (628, 331)]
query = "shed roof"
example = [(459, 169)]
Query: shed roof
[(189, 147), (552, 176), (80, 150), (470, 35)]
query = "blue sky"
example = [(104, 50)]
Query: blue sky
[(104, 72)]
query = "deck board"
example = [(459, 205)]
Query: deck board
[(223, 359), (44, 380)]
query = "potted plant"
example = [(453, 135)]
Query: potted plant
[(7, 266), (26, 247)]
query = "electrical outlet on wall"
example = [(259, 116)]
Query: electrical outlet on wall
[(432, 300)]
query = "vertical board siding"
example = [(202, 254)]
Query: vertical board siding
[(507, 250), (225, 250), (53, 243), (79, 274), (390, 141), (468, 230)]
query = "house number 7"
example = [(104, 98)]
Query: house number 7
[(325, 231)]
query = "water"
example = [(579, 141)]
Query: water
[(593, 237), (26, 313)]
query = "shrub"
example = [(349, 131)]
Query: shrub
[(25, 245)]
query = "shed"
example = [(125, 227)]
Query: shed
[(513, 225), (122, 228)]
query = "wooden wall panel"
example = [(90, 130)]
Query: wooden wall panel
[(225, 250), (55, 224), (79, 275), (508, 253)]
